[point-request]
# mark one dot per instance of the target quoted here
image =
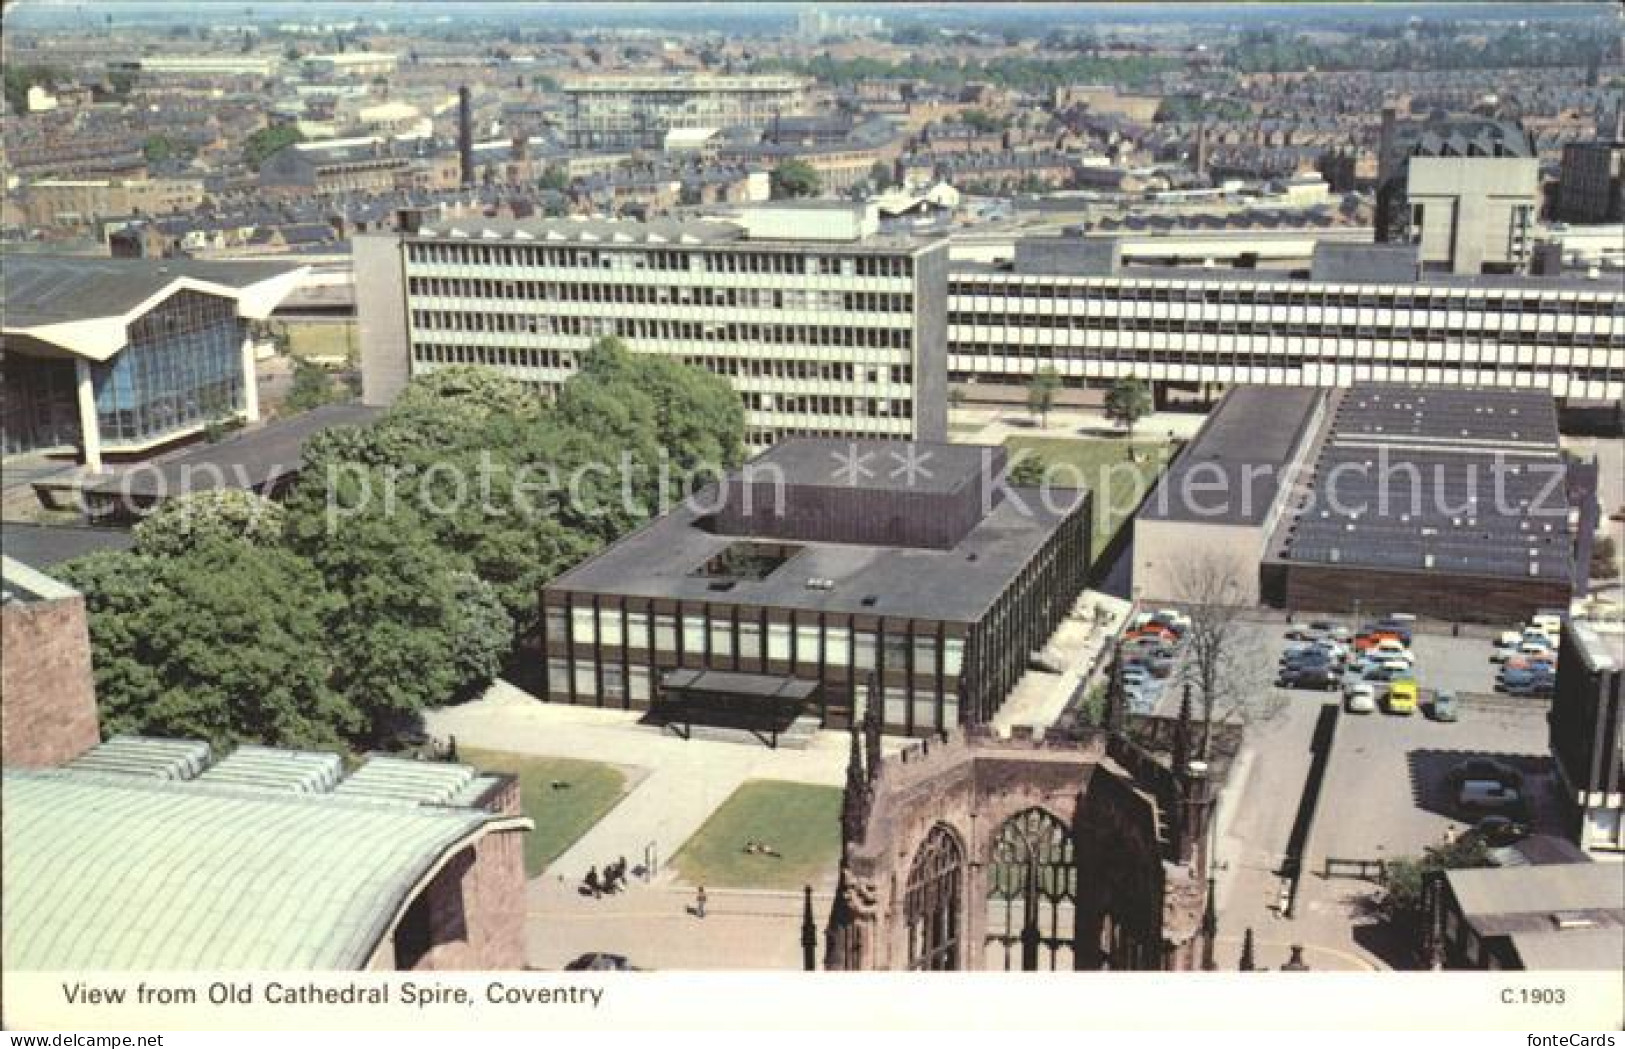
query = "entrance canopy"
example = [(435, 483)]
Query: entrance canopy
[(762, 704), (719, 683)]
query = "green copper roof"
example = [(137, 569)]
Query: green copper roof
[(110, 870)]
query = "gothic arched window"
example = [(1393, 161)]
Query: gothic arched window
[(932, 906), (1032, 894)]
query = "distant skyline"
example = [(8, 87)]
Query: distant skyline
[(582, 15)]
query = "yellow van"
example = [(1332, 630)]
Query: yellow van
[(1402, 696)]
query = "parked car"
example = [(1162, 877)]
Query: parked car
[(1316, 677), (1389, 648), (1485, 769), (1524, 681), (1402, 697), (1483, 797), (1361, 699), (1505, 646), (1445, 707)]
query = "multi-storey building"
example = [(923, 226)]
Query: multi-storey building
[(1362, 314), (124, 355), (817, 572), (824, 327), (74, 202), (1592, 185), (634, 111), (1588, 734)]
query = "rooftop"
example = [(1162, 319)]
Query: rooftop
[(254, 460), (1428, 478), (670, 557), (262, 861), (1231, 472), (1559, 916), (42, 546)]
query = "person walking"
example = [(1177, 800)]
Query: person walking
[(699, 902)]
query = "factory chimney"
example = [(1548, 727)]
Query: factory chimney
[(465, 134)]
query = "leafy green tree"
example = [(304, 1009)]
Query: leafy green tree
[(1041, 390), (1029, 471), (18, 79), (1127, 402), (698, 417), (1401, 902), (222, 515), (312, 387), (160, 148), (794, 178), (223, 643), (982, 121), (880, 175), (469, 390), (1603, 554), (555, 177), (265, 142)]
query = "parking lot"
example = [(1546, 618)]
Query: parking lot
[(1385, 793)]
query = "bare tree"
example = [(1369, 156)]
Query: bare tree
[(1232, 683)]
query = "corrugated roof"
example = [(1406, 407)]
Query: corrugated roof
[(48, 289), (164, 759), (158, 875)]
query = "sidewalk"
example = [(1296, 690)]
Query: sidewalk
[(687, 780)]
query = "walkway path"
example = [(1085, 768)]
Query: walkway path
[(686, 781)]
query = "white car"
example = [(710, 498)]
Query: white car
[(1506, 645), (1386, 650), (1536, 649), (1360, 698)]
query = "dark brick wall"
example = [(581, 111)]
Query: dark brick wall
[(46, 690), (1454, 598)]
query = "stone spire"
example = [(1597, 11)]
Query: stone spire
[(1182, 734), (1247, 964), (871, 727), (809, 932), (1114, 696), (1210, 927), (854, 798)]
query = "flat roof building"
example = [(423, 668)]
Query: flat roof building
[(829, 562), (822, 325), (124, 355), (622, 111), (268, 859), (1361, 315), (1456, 504), (1550, 917), (1587, 723)]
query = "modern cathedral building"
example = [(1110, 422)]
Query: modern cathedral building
[(121, 356), (817, 570), (825, 327)]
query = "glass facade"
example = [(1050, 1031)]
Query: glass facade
[(181, 369), (37, 403)]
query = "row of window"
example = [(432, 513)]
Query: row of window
[(806, 404), (798, 644), (802, 371), (659, 295), (1514, 301), (663, 330), (798, 263), (1265, 328)]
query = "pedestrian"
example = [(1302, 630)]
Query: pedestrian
[(699, 902), (592, 882)]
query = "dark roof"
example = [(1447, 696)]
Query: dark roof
[(50, 289), (42, 546), (958, 584), (1437, 479), (838, 463), (1232, 471), (255, 459), (763, 686)]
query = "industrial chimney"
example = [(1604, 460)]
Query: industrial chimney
[(465, 134)]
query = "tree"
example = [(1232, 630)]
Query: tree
[(982, 121), (224, 642), (312, 387), (267, 141), (1041, 390), (880, 175), (1029, 471), (1208, 586), (18, 79), (1402, 902), (1127, 402), (555, 178), (221, 515), (794, 178), (159, 148)]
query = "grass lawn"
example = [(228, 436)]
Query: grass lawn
[(561, 816), (799, 821), (1119, 482), (321, 338)]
